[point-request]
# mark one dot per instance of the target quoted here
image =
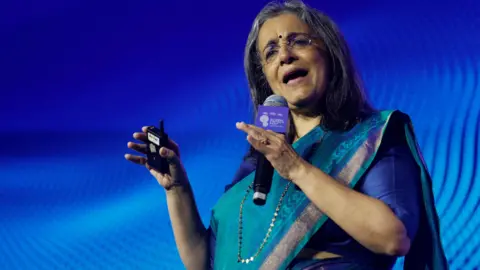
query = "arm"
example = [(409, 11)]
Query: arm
[(189, 232), (193, 240), (383, 216), (368, 219)]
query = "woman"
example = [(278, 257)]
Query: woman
[(350, 190)]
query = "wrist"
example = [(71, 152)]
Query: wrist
[(177, 189), (299, 172)]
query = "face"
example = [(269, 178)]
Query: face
[(292, 60)]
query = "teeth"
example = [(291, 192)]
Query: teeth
[(294, 75)]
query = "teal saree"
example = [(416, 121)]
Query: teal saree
[(346, 156)]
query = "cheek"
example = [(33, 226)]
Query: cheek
[(320, 77), (272, 81)]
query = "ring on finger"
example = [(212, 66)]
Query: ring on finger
[(264, 141)]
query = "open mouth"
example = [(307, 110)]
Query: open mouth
[(294, 74)]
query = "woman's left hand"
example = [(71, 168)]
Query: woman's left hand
[(275, 148)]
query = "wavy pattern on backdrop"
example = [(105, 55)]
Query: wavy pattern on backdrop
[(69, 200)]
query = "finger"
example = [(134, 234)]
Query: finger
[(174, 147), (264, 135), (141, 148), (261, 134), (140, 136), (136, 159), (170, 156), (173, 144), (143, 137), (249, 130), (244, 126), (174, 164), (256, 132), (154, 172), (258, 145), (275, 137)]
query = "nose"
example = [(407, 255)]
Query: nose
[(286, 56)]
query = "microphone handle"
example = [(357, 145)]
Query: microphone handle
[(263, 180)]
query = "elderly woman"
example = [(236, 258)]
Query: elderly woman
[(350, 189)]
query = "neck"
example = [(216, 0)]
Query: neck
[(305, 123)]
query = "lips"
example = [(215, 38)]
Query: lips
[(294, 74)]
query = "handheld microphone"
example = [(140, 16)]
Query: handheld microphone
[(272, 115)]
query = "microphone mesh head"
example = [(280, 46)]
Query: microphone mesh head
[(275, 101)]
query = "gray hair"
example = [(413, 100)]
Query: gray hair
[(344, 94)]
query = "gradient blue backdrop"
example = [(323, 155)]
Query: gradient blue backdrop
[(79, 77)]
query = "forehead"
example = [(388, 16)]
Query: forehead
[(280, 25)]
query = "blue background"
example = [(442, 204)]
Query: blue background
[(79, 77)]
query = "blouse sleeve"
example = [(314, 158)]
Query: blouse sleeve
[(394, 179)]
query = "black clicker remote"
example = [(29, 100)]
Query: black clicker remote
[(157, 138)]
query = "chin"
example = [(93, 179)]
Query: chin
[(301, 97), (303, 100)]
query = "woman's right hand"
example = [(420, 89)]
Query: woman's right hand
[(177, 175)]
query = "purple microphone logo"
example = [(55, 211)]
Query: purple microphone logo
[(264, 120), (273, 118)]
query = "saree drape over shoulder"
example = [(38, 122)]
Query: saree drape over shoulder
[(379, 157)]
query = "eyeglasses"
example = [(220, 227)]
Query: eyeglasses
[(293, 42)]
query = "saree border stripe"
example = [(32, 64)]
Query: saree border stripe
[(311, 216)]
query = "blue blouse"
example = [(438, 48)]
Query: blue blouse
[(393, 178)]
